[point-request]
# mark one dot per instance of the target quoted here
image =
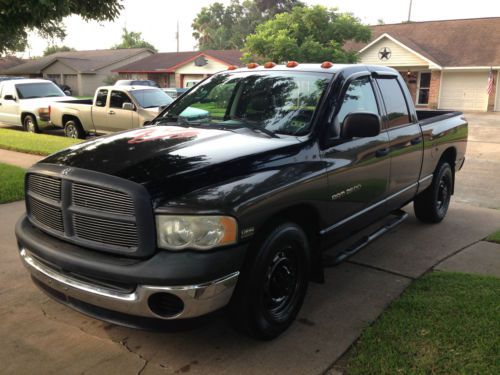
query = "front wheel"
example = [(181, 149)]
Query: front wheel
[(30, 124), (432, 205), (73, 129), (273, 284)]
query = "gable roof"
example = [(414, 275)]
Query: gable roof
[(9, 61), (168, 61), (449, 43), (80, 61)]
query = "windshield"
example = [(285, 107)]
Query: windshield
[(151, 98), (38, 90), (277, 102)]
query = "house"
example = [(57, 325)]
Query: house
[(446, 64), (9, 62), (83, 71), (180, 69)]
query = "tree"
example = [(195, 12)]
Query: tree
[(53, 49), (132, 39), (18, 17), (307, 34), (226, 27)]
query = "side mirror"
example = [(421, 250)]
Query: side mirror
[(128, 106), (9, 97), (361, 125)]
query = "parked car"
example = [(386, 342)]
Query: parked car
[(136, 82), (8, 78), (113, 108), (173, 92), (179, 219), (25, 102)]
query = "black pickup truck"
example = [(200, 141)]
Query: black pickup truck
[(236, 206)]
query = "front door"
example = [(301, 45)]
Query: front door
[(358, 168)]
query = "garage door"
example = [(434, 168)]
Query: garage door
[(464, 91), (72, 81), (497, 95)]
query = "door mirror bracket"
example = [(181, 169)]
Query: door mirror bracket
[(361, 125)]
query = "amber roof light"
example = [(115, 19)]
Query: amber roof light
[(269, 64), (292, 64), (327, 64), (252, 65), (232, 67)]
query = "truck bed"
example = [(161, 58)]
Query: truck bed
[(428, 116)]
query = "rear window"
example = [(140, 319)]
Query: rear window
[(395, 103)]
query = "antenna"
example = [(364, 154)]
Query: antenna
[(409, 11), (177, 35)]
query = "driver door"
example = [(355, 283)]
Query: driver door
[(358, 169)]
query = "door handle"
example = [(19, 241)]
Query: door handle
[(416, 141), (111, 112), (382, 152)]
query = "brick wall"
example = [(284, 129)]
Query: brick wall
[(434, 88)]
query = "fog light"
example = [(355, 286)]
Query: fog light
[(165, 304)]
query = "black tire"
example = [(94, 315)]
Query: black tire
[(273, 283), (432, 205), (30, 125), (73, 129)]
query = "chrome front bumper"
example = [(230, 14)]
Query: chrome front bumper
[(197, 300)]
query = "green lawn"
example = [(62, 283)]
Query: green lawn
[(11, 183), (495, 237), (445, 323), (39, 144)]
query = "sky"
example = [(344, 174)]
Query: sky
[(156, 20)]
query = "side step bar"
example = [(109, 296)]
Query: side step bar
[(329, 261)]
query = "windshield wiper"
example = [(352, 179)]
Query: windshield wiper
[(255, 127)]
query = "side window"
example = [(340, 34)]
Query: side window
[(359, 97), (100, 100), (395, 103), (117, 99)]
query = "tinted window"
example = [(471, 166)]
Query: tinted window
[(395, 103), (117, 99), (100, 100), (359, 97), (151, 98)]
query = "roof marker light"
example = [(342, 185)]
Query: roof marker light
[(327, 64), (292, 64), (252, 65), (232, 67), (269, 64)]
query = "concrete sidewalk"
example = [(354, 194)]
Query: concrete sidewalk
[(39, 335), (19, 159)]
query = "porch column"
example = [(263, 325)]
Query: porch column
[(434, 88), (492, 97)]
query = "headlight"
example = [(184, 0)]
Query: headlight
[(197, 232)]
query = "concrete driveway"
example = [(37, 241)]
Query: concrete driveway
[(38, 335)]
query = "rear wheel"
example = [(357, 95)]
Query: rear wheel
[(73, 129), (30, 124), (273, 284), (432, 205)]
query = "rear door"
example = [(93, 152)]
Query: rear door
[(405, 137), (100, 110), (358, 168), (9, 109)]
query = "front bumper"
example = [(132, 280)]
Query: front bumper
[(116, 288)]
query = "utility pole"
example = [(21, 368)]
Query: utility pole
[(177, 35), (409, 11)]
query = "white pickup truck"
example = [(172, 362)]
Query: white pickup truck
[(25, 102), (113, 108)]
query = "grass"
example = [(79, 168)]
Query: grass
[(38, 144), (495, 237), (445, 323), (11, 183)]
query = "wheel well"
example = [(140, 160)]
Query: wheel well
[(307, 218), (69, 117), (450, 156), (24, 114)]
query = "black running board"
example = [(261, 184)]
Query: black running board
[(329, 261)]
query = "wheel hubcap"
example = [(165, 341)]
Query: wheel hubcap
[(30, 126), (71, 131), (443, 195), (281, 283)]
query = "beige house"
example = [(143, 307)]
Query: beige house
[(180, 69), (83, 71), (446, 64)]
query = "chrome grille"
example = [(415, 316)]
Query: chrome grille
[(46, 215), (101, 199), (106, 231), (45, 186)]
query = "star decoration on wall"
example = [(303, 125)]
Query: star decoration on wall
[(384, 53)]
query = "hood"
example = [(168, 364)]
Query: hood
[(164, 158)]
